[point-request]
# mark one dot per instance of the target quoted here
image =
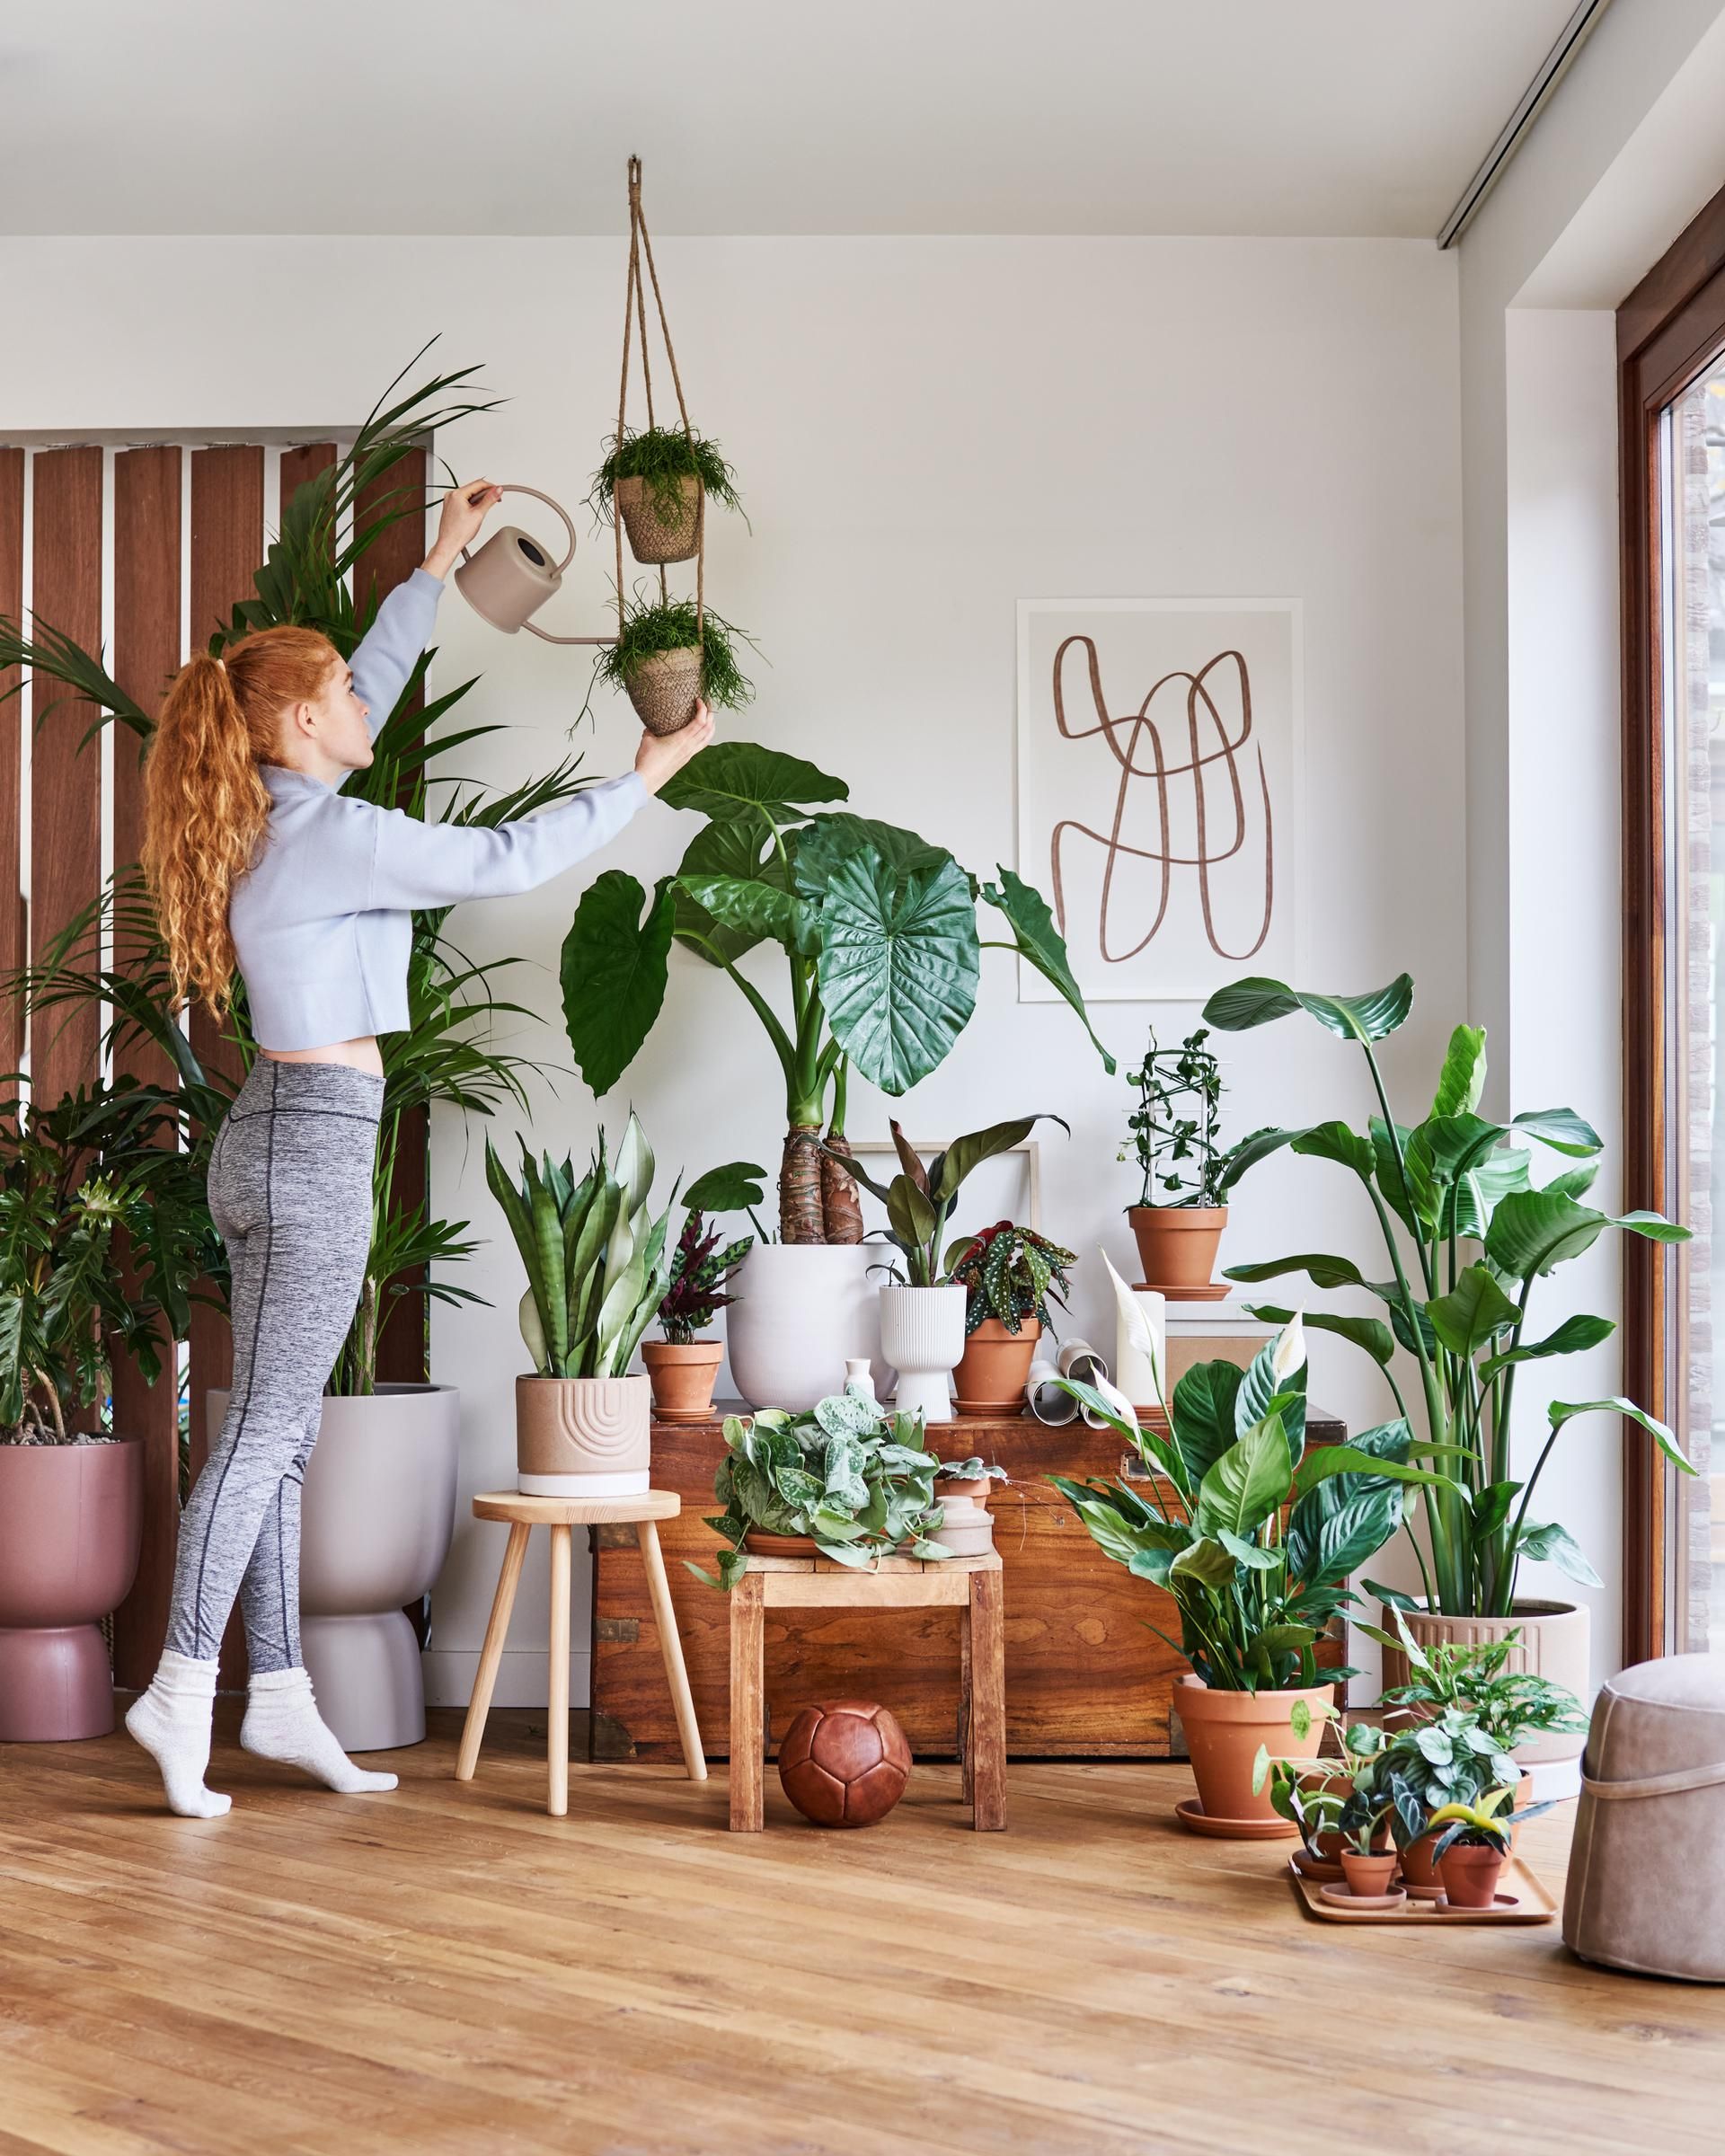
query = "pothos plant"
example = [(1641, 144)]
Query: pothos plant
[(879, 935), (1467, 1234), (1011, 1273)]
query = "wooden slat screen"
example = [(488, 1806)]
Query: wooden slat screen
[(144, 644)]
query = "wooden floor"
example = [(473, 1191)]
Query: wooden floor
[(449, 1969)]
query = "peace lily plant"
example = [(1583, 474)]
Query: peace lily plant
[(1467, 1234)]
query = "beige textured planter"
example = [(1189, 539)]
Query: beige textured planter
[(653, 538), (1553, 1645), (583, 1436)]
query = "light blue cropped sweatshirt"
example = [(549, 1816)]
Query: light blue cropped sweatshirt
[(321, 922)]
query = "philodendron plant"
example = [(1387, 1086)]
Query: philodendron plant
[(1255, 1593), (1467, 1234), (858, 1480), (878, 931), (919, 1200), (596, 1258)]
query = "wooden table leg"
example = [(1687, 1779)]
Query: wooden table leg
[(747, 1704), (558, 1804), (472, 1730), (967, 1741), (671, 1646), (988, 1748)]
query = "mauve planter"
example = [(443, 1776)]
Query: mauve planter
[(71, 1523)]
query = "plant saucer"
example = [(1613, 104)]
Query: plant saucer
[(1394, 1899), (1444, 1906), (1325, 1870), (1193, 1816)]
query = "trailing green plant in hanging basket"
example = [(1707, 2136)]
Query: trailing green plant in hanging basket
[(658, 509), (670, 653)]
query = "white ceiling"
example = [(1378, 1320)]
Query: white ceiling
[(754, 116)]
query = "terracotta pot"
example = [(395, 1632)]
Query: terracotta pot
[(1223, 1730), (1327, 1845), (1553, 1645), (801, 1311), (995, 1367), (683, 1376), (758, 1542), (1470, 1875), (1417, 1870), (1368, 1875), (378, 1513), (71, 1521), (1177, 1244), (583, 1436), (653, 538)]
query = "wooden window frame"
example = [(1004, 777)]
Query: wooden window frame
[(1670, 329)]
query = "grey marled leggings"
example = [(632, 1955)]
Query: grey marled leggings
[(290, 1190)]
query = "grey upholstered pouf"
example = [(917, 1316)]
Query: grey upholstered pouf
[(1647, 1873)]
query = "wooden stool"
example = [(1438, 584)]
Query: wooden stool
[(524, 1514), (970, 1585)]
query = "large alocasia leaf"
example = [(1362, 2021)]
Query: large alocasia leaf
[(613, 973), (899, 964), (828, 840), (742, 845), (1260, 1002), (738, 778), (750, 908), (1039, 941)]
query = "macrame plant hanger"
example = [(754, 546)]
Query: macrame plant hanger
[(634, 310)]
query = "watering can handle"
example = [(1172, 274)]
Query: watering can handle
[(532, 627)]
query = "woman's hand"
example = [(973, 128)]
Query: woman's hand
[(464, 508), (661, 755)]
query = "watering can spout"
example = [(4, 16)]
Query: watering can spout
[(513, 574)]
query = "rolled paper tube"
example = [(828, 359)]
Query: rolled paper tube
[(1079, 1359), (1047, 1400), (1140, 1379)]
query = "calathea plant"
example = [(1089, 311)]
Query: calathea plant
[(919, 1200), (1467, 1234), (1253, 1596), (596, 1259), (878, 931)]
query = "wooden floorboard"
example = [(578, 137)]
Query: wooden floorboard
[(446, 1968)]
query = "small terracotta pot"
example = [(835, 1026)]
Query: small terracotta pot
[(758, 1542), (1368, 1875), (653, 538), (995, 1366), (1470, 1875), (1417, 1867), (684, 1374), (1177, 1244), (583, 1436), (1223, 1730)]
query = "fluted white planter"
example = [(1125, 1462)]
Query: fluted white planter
[(922, 1335), (802, 1310)]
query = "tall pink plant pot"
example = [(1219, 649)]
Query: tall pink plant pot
[(71, 1525)]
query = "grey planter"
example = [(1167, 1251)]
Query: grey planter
[(378, 1514)]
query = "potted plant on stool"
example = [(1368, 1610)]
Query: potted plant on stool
[(1012, 1275), (682, 1367), (1252, 1595), (597, 1271)]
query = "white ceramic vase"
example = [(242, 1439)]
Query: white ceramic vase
[(922, 1335), (802, 1310)]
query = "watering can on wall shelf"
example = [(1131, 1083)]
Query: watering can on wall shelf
[(512, 576)]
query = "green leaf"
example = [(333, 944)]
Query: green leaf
[(751, 908), (1561, 1129), (1249, 1554), (1331, 1549), (1324, 1270), (1552, 1544), (1571, 1337), (1248, 1482), (742, 846), (1203, 1414), (733, 778), (1534, 1231), (1475, 1309), (1462, 1079), (1258, 1002), (826, 844), (1562, 1412), (1204, 1561), (1039, 941), (913, 1219), (1255, 1146), (1243, 1005), (1323, 1461), (968, 1154), (1490, 1506), (1370, 1333), (1335, 1142), (613, 973), (731, 1189), (899, 965)]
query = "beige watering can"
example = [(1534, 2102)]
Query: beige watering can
[(512, 576)]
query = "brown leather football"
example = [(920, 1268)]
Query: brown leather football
[(844, 1763)]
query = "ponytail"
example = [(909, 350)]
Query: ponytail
[(204, 803)]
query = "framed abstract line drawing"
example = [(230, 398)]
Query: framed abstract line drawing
[(1159, 765)]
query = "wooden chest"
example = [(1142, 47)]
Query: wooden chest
[(1086, 1677)]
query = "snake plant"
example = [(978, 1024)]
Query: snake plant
[(597, 1268)]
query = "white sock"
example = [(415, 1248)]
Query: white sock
[(282, 1722), (171, 1720)]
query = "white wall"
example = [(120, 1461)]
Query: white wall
[(925, 431)]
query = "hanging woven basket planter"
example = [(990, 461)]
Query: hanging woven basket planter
[(662, 518), (664, 689)]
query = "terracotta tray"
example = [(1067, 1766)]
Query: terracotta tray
[(1534, 1902)]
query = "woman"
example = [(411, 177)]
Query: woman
[(257, 862)]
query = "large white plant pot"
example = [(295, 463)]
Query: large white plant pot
[(922, 1335), (801, 1311), (378, 1510)]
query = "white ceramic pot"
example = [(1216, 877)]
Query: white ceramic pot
[(378, 1512), (1553, 1645), (967, 1527), (922, 1335), (802, 1311)]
